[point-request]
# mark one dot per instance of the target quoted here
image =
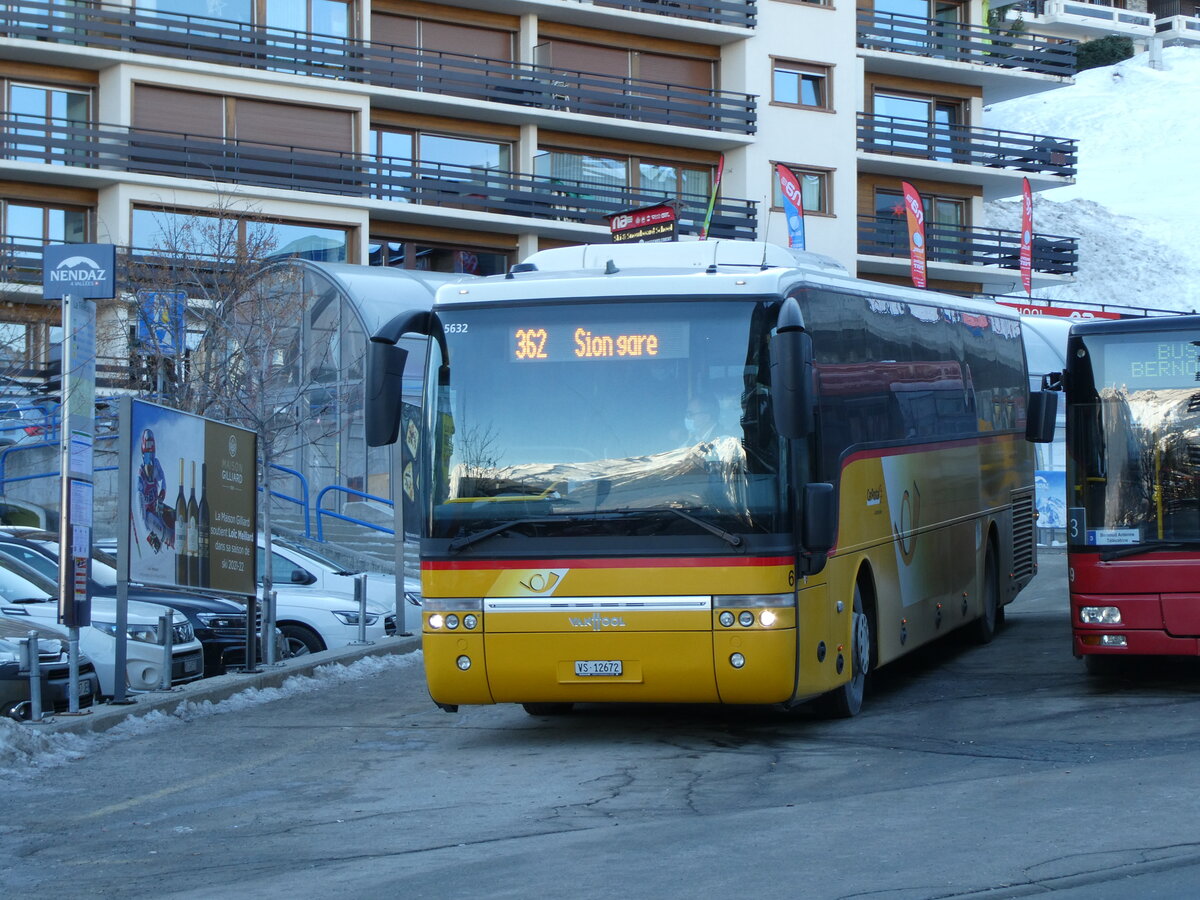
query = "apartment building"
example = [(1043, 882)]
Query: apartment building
[(461, 136)]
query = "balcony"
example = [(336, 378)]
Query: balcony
[(366, 178), (996, 160), (742, 13), (1084, 21), (981, 248), (1179, 30), (381, 65), (1004, 65)]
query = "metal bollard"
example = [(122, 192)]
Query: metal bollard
[(31, 663), (360, 597), (167, 633)]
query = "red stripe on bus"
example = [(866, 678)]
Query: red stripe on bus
[(651, 563), (911, 449)]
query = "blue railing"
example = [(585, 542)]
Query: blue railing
[(301, 501), (321, 513)]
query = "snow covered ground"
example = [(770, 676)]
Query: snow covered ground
[(23, 749), (1137, 188)]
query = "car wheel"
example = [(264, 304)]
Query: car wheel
[(547, 709), (300, 641)]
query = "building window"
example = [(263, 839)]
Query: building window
[(814, 189), (35, 111), (922, 126), (170, 233), (324, 17), (29, 226), (423, 256), (662, 179), (801, 84), (945, 221), (405, 156)]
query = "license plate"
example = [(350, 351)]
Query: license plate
[(597, 667), (84, 688), (191, 665)]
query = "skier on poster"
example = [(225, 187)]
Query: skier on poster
[(158, 518)]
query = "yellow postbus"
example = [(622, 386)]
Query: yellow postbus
[(706, 472)]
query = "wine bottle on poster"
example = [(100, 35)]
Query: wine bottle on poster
[(204, 529), (181, 564), (193, 511)]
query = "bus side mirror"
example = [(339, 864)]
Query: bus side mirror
[(820, 518), (792, 383), (385, 372), (1039, 419)]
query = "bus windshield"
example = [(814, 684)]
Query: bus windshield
[(1134, 420), (605, 419)]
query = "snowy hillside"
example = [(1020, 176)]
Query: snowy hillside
[(1137, 191)]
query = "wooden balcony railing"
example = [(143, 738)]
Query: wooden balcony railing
[(112, 148), (383, 65), (888, 236), (968, 146), (898, 33)]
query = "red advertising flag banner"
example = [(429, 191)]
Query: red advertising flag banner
[(793, 205), (1026, 257), (914, 210)]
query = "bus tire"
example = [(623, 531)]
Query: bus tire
[(846, 701), (985, 627), (547, 709)]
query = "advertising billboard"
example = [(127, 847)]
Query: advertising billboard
[(193, 501)]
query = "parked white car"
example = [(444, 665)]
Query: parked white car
[(298, 571), (24, 593), (296, 566)]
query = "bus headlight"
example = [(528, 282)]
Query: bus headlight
[(1100, 615), (470, 621), (726, 618), (1113, 640), (737, 660), (437, 621), (463, 662), (746, 618), (767, 618), (451, 621)]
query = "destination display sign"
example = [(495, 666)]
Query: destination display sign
[(1162, 363), (591, 342)]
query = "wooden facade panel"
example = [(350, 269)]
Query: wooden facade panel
[(625, 40), (51, 194), (868, 183), (401, 231), (437, 12), (469, 40), (389, 118), (615, 147), (25, 71), (877, 81), (294, 125), (158, 108)]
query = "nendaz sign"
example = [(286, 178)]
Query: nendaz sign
[(82, 271)]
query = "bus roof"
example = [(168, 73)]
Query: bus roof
[(1127, 326), (684, 269)]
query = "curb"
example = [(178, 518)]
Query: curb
[(220, 687)]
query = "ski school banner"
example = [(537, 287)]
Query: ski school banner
[(793, 205), (1026, 256), (915, 213)]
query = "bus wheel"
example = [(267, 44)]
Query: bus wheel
[(984, 628), (547, 709), (847, 700)]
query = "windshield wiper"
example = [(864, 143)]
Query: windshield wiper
[(733, 540), (1139, 550), (467, 540)]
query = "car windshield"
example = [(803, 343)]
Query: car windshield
[(594, 418), (15, 587), (1134, 421)]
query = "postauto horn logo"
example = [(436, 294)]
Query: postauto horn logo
[(79, 271)]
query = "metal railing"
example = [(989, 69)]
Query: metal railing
[(338, 489), (898, 33), (384, 65), (116, 148), (301, 501), (967, 145), (719, 12), (888, 236)]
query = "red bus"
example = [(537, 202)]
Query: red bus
[(1133, 487)]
